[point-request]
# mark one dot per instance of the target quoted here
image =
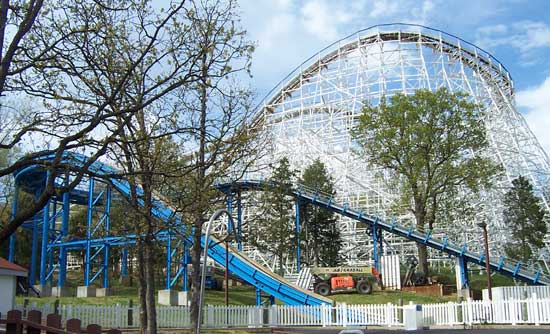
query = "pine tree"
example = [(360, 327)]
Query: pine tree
[(274, 229), (322, 237), (525, 217)]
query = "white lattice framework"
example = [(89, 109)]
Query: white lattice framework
[(310, 113)]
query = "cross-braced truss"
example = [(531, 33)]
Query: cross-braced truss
[(310, 114)]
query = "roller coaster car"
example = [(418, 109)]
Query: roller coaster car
[(341, 279)]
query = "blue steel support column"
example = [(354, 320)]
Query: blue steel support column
[(106, 251), (463, 264), (258, 297), (375, 252), (124, 266), (34, 249), (11, 254), (185, 263), (230, 210), (44, 245), (239, 222), (88, 232), (168, 260), (50, 265), (298, 262), (64, 231)]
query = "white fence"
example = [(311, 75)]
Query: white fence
[(517, 292), (527, 311), (533, 310), (117, 316)]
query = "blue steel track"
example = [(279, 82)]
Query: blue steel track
[(31, 178)]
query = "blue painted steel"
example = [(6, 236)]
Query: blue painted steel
[(44, 246), (516, 270), (410, 231), (536, 277), (250, 272), (168, 262), (500, 263), (34, 249), (445, 243), (428, 235), (11, 251), (62, 276), (375, 254), (463, 249), (53, 236), (399, 230), (239, 222), (463, 264), (230, 210), (96, 265), (297, 232), (124, 266), (185, 262), (107, 225), (89, 217), (258, 297), (393, 224)]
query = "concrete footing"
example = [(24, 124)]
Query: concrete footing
[(44, 290), (463, 294), (102, 292), (62, 291), (85, 291), (168, 297), (183, 299)]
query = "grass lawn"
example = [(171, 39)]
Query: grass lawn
[(246, 295), (242, 295)]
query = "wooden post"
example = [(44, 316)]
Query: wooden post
[(13, 324), (93, 329), (74, 326), (54, 321), (35, 317), (56, 306), (114, 331), (131, 314)]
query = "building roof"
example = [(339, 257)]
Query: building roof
[(8, 268)]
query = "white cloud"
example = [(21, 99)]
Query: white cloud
[(382, 8), (528, 37), (535, 102), (290, 31), (323, 20)]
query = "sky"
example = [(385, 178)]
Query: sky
[(516, 32)]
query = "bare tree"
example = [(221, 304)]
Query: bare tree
[(218, 109), (79, 59)]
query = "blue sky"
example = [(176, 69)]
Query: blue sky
[(517, 32)]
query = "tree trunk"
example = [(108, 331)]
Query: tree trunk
[(131, 267), (423, 259), (420, 216), (150, 291), (142, 288), (195, 275), (200, 186)]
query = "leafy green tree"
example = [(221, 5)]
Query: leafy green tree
[(323, 241), (426, 140), (525, 216), (273, 231)]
